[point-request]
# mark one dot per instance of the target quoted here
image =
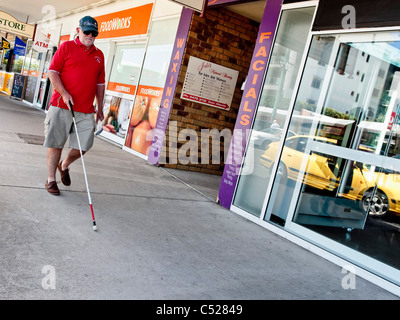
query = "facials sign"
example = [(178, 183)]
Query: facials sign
[(248, 104), (9, 24), (125, 23)]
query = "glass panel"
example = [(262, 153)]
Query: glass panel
[(344, 166), (148, 99), (158, 52), (127, 63), (124, 77), (274, 103)]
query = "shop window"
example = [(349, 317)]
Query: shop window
[(121, 88), (151, 85), (339, 178)]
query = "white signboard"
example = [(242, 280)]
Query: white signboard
[(209, 83), (45, 38)]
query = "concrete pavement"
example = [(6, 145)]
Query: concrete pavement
[(161, 234)]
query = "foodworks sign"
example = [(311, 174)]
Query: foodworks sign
[(125, 23), (9, 24)]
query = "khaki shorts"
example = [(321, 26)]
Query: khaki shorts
[(58, 126)]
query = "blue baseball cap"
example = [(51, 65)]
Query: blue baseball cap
[(88, 23)]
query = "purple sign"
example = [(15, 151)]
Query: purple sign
[(248, 104), (170, 85)]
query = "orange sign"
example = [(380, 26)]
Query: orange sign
[(151, 92), (63, 39), (124, 23), (120, 87)]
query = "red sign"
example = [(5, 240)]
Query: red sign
[(205, 101)]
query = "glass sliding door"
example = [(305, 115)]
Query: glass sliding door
[(339, 176)]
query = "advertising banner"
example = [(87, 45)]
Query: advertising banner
[(248, 104), (127, 121), (121, 87), (19, 47), (116, 111), (45, 39), (143, 118), (125, 23), (5, 44)]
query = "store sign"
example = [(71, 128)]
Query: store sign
[(5, 44), (125, 23), (251, 93), (121, 87), (41, 41), (209, 83), (9, 24)]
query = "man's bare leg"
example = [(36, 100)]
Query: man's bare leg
[(73, 155), (53, 158)]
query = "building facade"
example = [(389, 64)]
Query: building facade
[(295, 105), (313, 153)]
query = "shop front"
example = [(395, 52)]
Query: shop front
[(137, 73), (321, 163), (14, 35), (137, 41)]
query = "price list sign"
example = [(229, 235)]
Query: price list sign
[(209, 83)]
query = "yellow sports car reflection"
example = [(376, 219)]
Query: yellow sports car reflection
[(376, 189)]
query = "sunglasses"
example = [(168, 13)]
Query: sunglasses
[(94, 33)]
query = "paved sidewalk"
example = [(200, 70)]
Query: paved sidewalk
[(161, 234)]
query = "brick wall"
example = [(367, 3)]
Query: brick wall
[(225, 38)]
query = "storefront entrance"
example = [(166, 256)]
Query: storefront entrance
[(325, 149), (347, 110)]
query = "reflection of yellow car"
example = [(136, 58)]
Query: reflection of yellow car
[(325, 172)]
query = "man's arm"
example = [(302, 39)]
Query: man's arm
[(100, 90), (59, 87)]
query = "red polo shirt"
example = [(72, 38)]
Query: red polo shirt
[(81, 71)]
